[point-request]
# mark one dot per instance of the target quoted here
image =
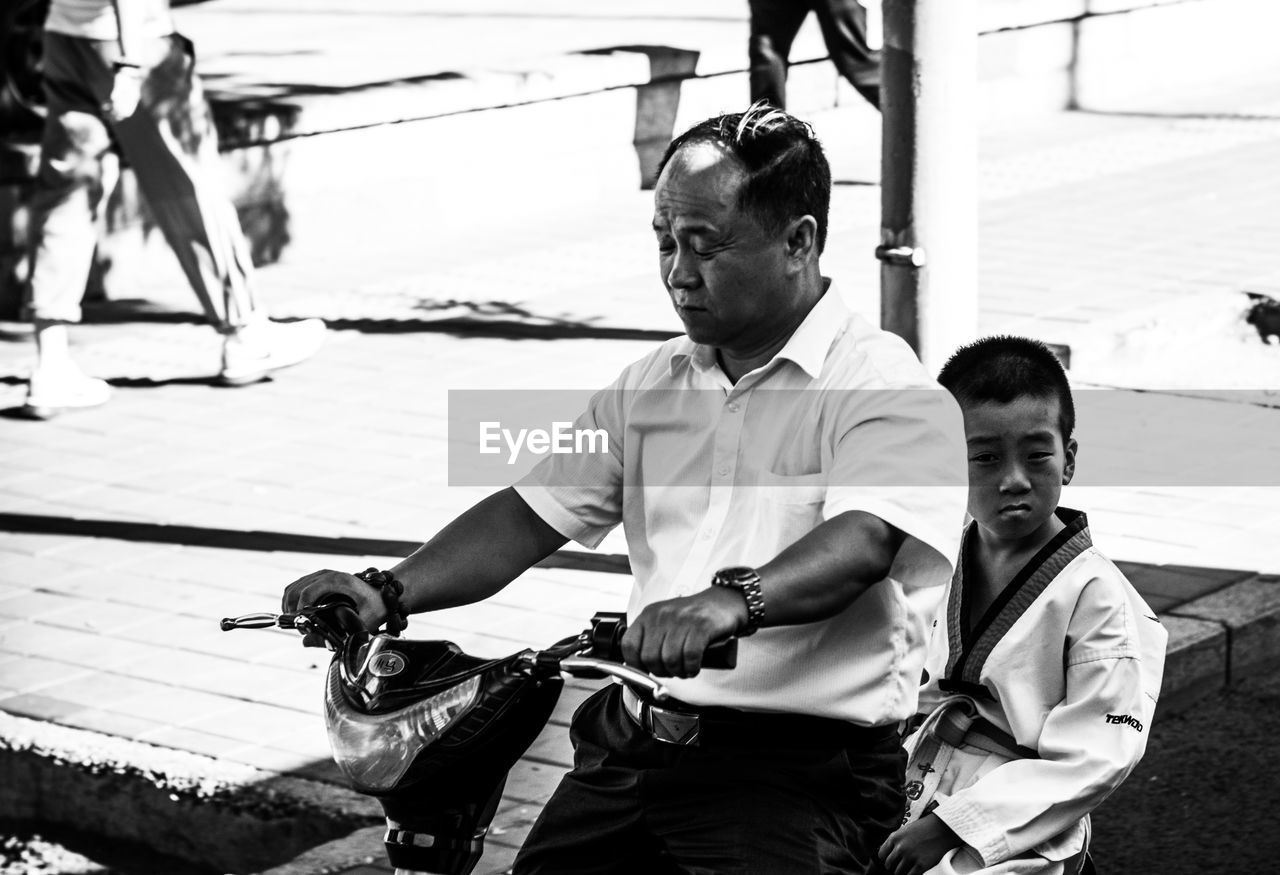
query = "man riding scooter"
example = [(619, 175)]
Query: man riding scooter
[(779, 476)]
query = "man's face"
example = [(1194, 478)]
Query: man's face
[(1018, 465), (726, 275)]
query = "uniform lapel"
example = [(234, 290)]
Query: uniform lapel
[(969, 648)]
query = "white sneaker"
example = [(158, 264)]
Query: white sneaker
[(253, 352), (51, 391)]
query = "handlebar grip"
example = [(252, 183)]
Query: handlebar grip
[(608, 627), (336, 603), (341, 611), (722, 654)]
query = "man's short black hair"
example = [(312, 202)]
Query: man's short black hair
[(787, 172), (1004, 367)]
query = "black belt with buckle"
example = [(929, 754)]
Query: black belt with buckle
[(686, 725), (664, 724)]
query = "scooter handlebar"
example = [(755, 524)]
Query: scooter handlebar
[(334, 619), (588, 666), (608, 627), (721, 654), (263, 620)]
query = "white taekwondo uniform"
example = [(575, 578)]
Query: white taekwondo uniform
[(1038, 709)]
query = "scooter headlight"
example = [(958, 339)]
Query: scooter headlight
[(375, 750)]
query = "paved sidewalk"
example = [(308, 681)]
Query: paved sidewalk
[(126, 532)]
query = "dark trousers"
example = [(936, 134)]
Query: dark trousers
[(774, 25), (771, 798)]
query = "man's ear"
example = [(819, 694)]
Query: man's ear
[(1069, 469), (802, 238)]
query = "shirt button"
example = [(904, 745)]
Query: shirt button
[(723, 470), (733, 407), (706, 534)]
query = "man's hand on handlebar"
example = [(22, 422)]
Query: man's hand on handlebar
[(668, 638), (319, 586)]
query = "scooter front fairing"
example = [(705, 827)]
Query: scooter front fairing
[(433, 732)]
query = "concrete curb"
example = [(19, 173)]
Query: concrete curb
[(232, 817), (1217, 639)]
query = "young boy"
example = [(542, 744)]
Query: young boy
[(1043, 672)]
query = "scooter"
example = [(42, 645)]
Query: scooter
[(432, 732)]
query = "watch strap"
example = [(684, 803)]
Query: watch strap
[(747, 582)]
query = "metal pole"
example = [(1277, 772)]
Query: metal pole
[(928, 209)]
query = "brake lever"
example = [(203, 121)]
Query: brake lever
[(304, 621), (260, 620)]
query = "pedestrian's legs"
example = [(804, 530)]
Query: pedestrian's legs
[(69, 183), (170, 141), (69, 191), (171, 144), (844, 30), (774, 25)]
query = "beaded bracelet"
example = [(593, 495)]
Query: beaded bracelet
[(391, 589)]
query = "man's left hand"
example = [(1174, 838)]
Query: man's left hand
[(669, 637), (919, 846)]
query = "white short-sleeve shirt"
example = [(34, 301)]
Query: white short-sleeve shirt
[(705, 474)]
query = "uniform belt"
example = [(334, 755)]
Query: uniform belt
[(956, 728), (688, 725)]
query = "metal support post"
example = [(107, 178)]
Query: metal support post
[(929, 216)]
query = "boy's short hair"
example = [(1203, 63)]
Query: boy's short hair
[(1004, 367)]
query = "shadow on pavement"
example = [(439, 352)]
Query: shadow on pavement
[(125, 310), (21, 411), (160, 533), (285, 90), (508, 329), (1181, 116), (482, 319)]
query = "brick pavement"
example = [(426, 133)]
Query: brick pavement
[(126, 532)]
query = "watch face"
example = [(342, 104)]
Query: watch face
[(737, 573)]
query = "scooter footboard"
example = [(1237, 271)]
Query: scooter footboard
[(448, 840)]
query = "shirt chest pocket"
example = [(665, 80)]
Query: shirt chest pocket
[(787, 507), (793, 489)]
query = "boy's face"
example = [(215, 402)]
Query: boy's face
[(1018, 465)]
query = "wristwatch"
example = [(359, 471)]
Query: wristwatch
[(746, 581)]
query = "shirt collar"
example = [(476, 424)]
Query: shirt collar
[(807, 346)]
